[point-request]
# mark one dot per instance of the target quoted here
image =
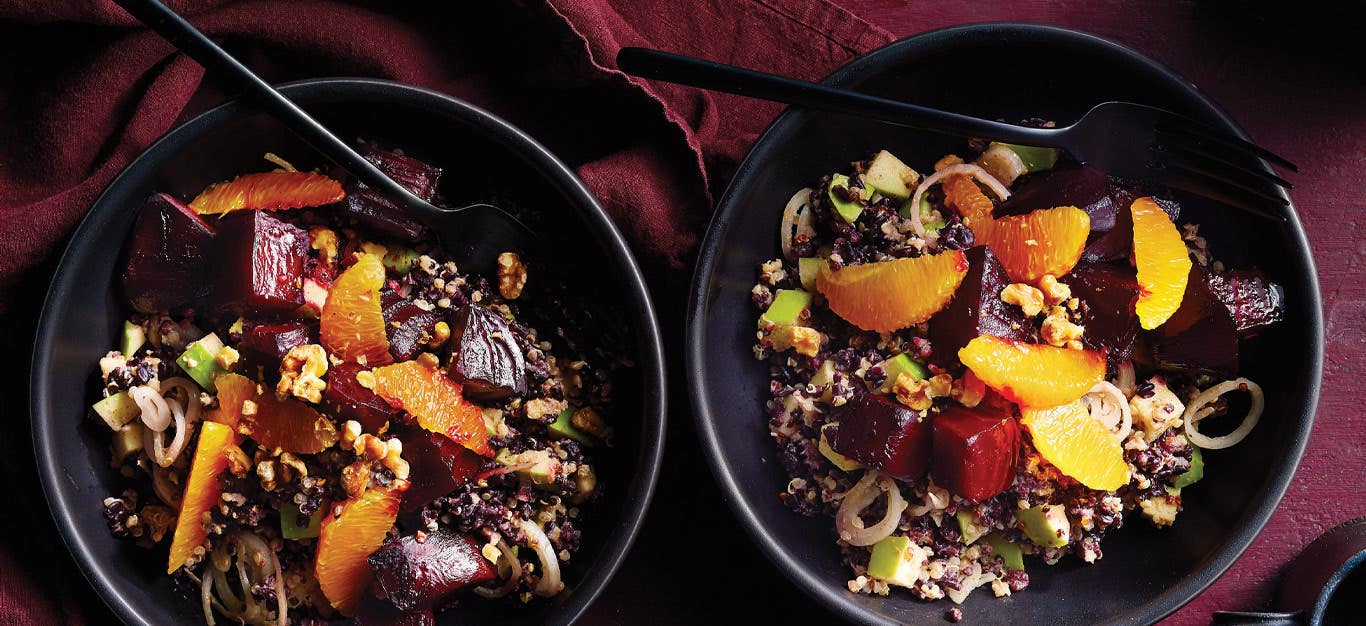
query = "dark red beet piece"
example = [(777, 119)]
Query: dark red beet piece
[(408, 326), (378, 212), (260, 264), (976, 310), (882, 433), (264, 345), (975, 450), (485, 357), (167, 258), (1083, 187), (1108, 294), (346, 399), (417, 575), (1115, 242), (1201, 336), (438, 466), (1252, 300)]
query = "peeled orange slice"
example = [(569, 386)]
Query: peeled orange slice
[(352, 326), (892, 295), (964, 196), (274, 422), (436, 401), (1047, 241), (1078, 445), (1031, 374), (201, 491), (268, 191), (1163, 263), (346, 540)]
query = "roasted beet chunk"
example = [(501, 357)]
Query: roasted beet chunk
[(882, 434), (485, 357), (1112, 225), (438, 466), (168, 257), (1083, 187), (260, 264), (346, 399), (1108, 294), (377, 612), (408, 326), (264, 345), (417, 575), (1252, 300), (376, 211), (1201, 336), (976, 310), (975, 450)]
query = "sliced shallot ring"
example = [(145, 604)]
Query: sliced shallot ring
[(265, 560), (155, 414), (505, 557), (1106, 389), (191, 392), (1196, 411), (862, 494), (961, 169), (1127, 381), (796, 220), (550, 583)]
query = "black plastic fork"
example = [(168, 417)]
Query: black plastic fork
[(1122, 138)]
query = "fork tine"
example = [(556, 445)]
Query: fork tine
[(1214, 162), (1190, 182), (1227, 179), (1178, 125)]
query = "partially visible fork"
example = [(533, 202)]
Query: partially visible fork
[(1121, 138)]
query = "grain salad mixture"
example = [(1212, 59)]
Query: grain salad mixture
[(1002, 359), (320, 419)]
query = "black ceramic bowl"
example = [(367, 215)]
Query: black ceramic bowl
[(1005, 71), (482, 155)]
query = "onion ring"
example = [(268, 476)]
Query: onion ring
[(155, 414), (1126, 380), (550, 583), (796, 220), (964, 169), (1198, 410), (1117, 407), (862, 494), (508, 558)]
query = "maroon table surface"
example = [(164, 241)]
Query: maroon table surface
[(1285, 80)]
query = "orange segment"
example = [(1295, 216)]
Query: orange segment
[(436, 402), (273, 422), (1078, 445), (1031, 374), (268, 191), (1047, 241), (964, 196), (346, 540), (891, 295), (201, 491), (352, 326), (1162, 260)]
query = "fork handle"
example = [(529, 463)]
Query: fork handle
[(694, 72)]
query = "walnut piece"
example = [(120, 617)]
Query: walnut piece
[(1027, 297), (1054, 292), (301, 373), (511, 275), (1059, 331)]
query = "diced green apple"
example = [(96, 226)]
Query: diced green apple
[(1035, 158), (133, 338), (200, 361), (850, 209), (808, 269), (896, 561), (117, 410), (894, 366), (890, 177), (1046, 525), (1195, 473), (1009, 552), (788, 305)]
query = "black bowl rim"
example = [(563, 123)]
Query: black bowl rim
[(829, 595), (651, 350)]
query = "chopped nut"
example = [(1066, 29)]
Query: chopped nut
[(511, 275), (1054, 292), (939, 386), (301, 373), (248, 408), (589, 421), (355, 478), (440, 333), (1059, 331), (265, 472), (158, 520), (429, 360), (911, 392), (238, 462), (968, 390), (351, 430), (324, 240), (805, 340), (366, 378), (227, 357), (544, 408), (393, 459), (1027, 297)]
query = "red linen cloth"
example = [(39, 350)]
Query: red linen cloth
[(85, 89)]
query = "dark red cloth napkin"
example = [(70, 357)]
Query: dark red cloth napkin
[(85, 89)]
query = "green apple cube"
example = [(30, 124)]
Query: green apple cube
[(117, 410), (849, 210), (133, 338), (787, 306), (1009, 552), (808, 269), (289, 523), (1195, 473), (200, 361), (562, 427), (1046, 525), (896, 561), (1036, 159), (889, 176), (968, 526)]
